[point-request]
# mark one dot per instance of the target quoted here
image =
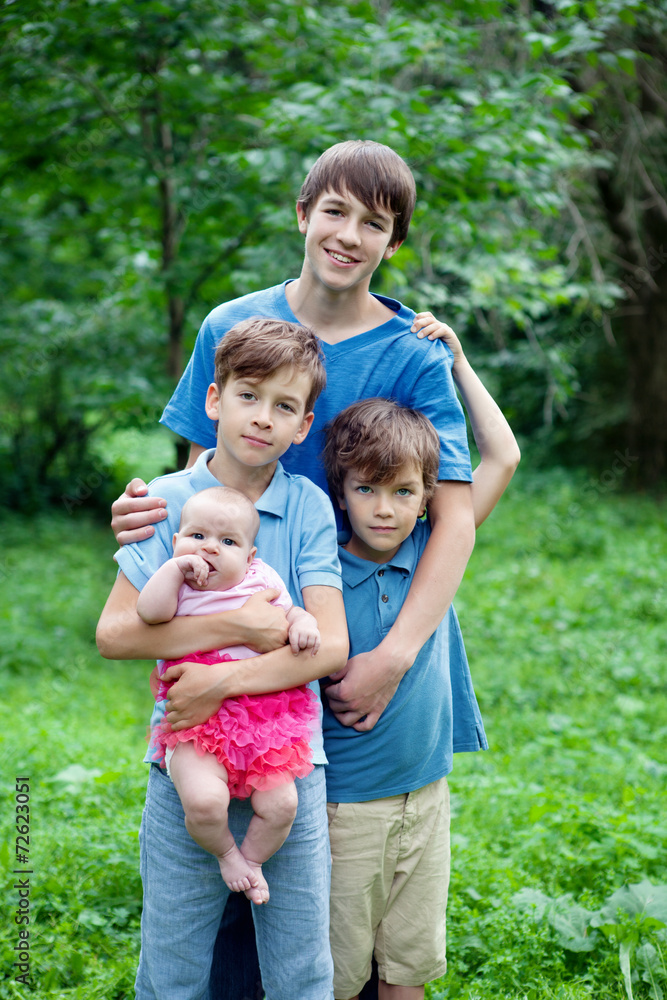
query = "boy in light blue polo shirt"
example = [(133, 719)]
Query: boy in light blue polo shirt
[(387, 792), (267, 376)]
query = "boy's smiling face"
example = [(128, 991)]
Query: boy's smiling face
[(345, 239), (259, 419), (382, 516)]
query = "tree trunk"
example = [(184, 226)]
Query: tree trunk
[(641, 235), (646, 347)]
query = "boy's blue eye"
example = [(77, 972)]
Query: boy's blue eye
[(227, 541), (364, 489), (404, 492), (287, 407)]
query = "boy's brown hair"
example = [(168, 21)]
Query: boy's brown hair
[(256, 348), (375, 437), (373, 173)]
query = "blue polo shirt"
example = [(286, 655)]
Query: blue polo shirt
[(388, 361), (297, 537), (434, 712)]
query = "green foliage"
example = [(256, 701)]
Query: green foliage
[(66, 381), (558, 832), (628, 918), (153, 154)]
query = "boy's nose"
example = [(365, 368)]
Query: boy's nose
[(263, 416), (349, 234), (383, 507)]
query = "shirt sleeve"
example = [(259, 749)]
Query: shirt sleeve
[(317, 563), (434, 394), (139, 560), (185, 413), (283, 600)]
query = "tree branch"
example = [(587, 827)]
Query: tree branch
[(231, 246), (657, 199), (598, 273)]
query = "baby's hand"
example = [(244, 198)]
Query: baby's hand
[(426, 325), (194, 569), (303, 631)]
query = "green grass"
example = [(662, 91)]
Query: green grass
[(76, 728), (563, 611)]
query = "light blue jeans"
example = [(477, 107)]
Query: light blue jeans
[(184, 897)]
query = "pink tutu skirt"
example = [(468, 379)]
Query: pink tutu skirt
[(262, 740)]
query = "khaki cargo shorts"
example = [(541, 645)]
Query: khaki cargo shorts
[(389, 882)]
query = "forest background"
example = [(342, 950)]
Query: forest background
[(151, 157)]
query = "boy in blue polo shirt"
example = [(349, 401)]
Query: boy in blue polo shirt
[(388, 800), (268, 375)]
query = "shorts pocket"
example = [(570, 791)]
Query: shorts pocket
[(332, 809)]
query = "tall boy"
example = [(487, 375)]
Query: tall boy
[(268, 375), (388, 800)]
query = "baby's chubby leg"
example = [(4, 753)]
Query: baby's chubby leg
[(274, 812), (201, 783)]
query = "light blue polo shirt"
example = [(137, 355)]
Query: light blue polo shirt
[(388, 361), (434, 712), (297, 537)]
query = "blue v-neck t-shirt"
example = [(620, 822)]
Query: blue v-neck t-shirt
[(387, 361)]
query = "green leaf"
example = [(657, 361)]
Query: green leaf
[(642, 899), (76, 775), (624, 959), (626, 63), (532, 901), (571, 923), (569, 920), (652, 968)]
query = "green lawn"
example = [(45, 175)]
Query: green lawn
[(563, 611)]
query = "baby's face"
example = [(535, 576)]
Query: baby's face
[(222, 534)]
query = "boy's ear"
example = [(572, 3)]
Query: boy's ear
[(302, 218), (391, 249), (212, 401), (341, 503), (302, 432)]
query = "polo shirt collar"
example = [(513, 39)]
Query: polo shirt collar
[(272, 501), (356, 570), (274, 498)]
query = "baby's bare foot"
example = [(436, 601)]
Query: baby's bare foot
[(238, 874), (259, 891)]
